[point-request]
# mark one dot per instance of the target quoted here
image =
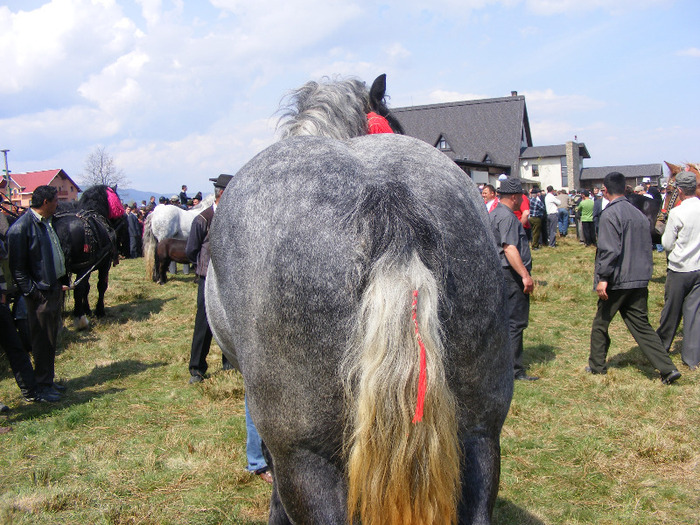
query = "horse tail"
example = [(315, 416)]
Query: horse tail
[(150, 244), (403, 468)]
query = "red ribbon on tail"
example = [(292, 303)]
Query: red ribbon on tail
[(422, 375)]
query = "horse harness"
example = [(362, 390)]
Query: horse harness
[(92, 223)]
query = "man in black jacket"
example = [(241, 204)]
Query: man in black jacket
[(197, 251), (623, 267), (39, 270)]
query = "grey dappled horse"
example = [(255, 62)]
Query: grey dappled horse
[(317, 247)]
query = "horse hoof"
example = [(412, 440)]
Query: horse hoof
[(81, 323)]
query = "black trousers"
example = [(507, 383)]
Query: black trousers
[(632, 305), (518, 316), (682, 299), (202, 336), (19, 360), (45, 322), (588, 232)]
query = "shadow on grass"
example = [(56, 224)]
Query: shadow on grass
[(633, 358), (76, 389), (137, 310), (660, 280), (507, 513), (539, 354)]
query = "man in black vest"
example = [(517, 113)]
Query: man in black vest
[(197, 251)]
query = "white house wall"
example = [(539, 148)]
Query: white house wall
[(549, 171)]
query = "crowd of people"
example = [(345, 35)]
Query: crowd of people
[(523, 221), (33, 270)]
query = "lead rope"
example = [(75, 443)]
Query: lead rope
[(422, 375)]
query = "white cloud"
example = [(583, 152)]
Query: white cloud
[(616, 7), (548, 103), (195, 158), (439, 96), (48, 43), (690, 52)]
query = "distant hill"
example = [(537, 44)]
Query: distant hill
[(128, 195)]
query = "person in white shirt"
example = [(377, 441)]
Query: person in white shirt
[(551, 206), (681, 239)]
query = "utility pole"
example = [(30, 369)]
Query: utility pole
[(6, 176)]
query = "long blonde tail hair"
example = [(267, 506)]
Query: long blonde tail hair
[(149, 248), (399, 472)]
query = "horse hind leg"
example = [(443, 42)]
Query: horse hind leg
[(480, 477), (102, 285), (312, 489)]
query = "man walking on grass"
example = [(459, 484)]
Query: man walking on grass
[(623, 268)]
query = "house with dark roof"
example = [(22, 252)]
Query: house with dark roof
[(26, 183), (635, 174), (488, 137), (483, 137)]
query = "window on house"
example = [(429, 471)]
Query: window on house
[(535, 170), (564, 173), (442, 144)]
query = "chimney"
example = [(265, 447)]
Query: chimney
[(513, 93)]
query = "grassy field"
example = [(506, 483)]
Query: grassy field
[(133, 443)]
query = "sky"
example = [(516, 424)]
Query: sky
[(179, 91)]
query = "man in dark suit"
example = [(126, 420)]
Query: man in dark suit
[(197, 251)]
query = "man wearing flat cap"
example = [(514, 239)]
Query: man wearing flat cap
[(681, 239), (197, 251), (514, 254)]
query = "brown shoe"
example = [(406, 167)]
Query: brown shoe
[(266, 477)]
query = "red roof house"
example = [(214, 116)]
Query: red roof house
[(27, 182)]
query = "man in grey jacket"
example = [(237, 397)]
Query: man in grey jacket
[(623, 268)]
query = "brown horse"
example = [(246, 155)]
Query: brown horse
[(671, 197), (168, 250)]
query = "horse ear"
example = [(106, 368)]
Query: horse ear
[(377, 92), (673, 168)]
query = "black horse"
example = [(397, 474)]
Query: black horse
[(93, 232), (650, 208)]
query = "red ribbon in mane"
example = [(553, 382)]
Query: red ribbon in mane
[(377, 124)]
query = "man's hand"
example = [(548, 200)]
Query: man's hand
[(528, 284), (602, 290)]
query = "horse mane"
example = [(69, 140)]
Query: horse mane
[(333, 108), (103, 200)]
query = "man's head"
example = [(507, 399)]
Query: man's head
[(45, 200), (184, 188), (220, 184), (550, 189), (596, 191), (639, 190), (585, 193), (488, 193), (614, 184), (510, 193), (686, 182)]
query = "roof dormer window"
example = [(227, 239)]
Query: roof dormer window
[(442, 144)]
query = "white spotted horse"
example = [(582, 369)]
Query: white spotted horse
[(355, 281)]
